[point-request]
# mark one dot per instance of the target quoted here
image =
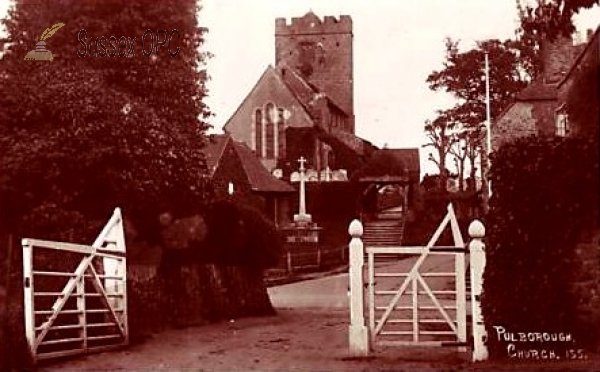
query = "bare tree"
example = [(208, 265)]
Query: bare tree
[(440, 136)]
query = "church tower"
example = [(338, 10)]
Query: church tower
[(321, 52)]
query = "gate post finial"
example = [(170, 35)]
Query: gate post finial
[(358, 333), (477, 257)]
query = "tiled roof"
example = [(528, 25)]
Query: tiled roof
[(580, 51), (411, 159), (305, 92), (353, 142), (259, 178), (214, 150), (538, 90)]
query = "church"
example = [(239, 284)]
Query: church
[(303, 106)]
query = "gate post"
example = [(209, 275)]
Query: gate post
[(358, 332), (477, 256)]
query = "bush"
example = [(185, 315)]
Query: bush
[(241, 235), (429, 211), (544, 199)]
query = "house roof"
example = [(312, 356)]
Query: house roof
[(538, 90), (259, 178), (583, 50), (391, 165), (213, 150)]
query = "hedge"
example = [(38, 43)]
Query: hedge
[(544, 204), (219, 277)]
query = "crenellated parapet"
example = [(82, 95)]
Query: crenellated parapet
[(310, 23)]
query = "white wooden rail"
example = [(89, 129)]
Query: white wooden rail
[(414, 288), (72, 325)]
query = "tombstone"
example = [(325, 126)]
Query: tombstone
[(311, 175), (326, 175), (340, 175), (295, 177)]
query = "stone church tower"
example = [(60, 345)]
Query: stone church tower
[(321, 52)]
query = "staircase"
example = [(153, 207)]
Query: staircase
[(386, 230)]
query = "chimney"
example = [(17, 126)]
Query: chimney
[(557, 58)]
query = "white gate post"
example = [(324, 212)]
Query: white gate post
[(29, 304), (358, 332), (477, 250)]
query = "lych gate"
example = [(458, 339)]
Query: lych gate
[(75, 295), (415, 295)]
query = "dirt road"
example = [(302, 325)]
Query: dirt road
[(309, 333)]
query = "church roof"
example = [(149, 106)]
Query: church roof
[(360, 146), (271, 73), (305, 92)]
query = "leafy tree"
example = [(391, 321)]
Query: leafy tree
[(551, 18), (547, 19), (81, 134), (463, 76)]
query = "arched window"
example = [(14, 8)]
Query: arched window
[(258, 118), (281, 132), (271, 115), (331, 160)]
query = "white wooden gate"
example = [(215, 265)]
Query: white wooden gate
[(81, 306), (418, 300), (409, 304)]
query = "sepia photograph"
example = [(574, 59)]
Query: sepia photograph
[(299, 185)]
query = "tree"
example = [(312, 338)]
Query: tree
[(438, 133), (463, 76), (548, 19), (81, 134), (551, 18)]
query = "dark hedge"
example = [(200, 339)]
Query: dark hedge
[(545, 199), (241, 235)]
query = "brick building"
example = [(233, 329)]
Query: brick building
[(537, 108), (578, 111), (304, 106)]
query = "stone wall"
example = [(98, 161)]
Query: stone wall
[(518, 121), (581, 85), (329, 45), (557, 58)]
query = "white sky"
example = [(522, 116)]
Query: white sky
[(396, 45)]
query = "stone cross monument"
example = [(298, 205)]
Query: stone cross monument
[(302, 217)]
